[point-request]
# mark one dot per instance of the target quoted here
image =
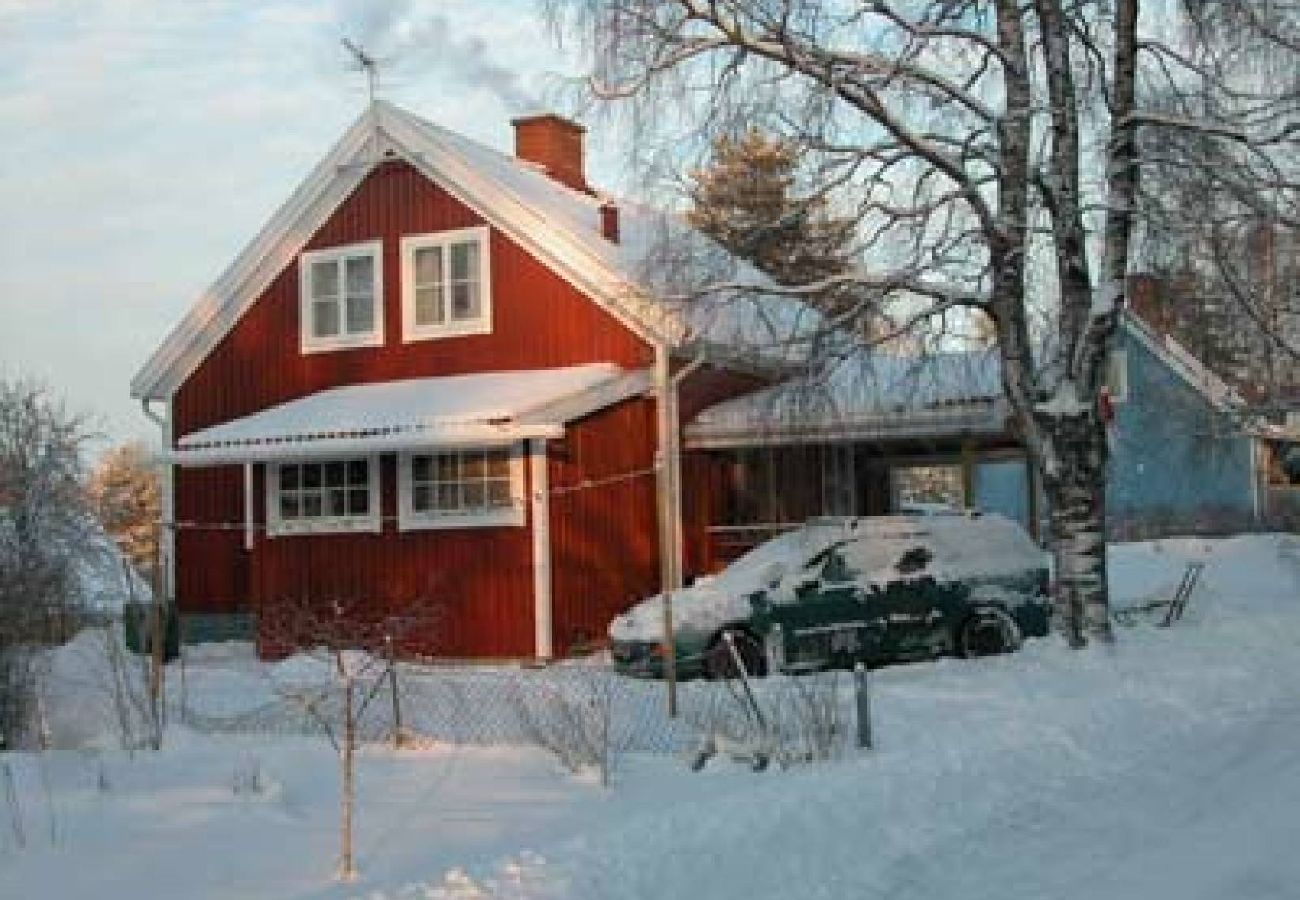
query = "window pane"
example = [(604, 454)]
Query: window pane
[(325, 318), (472, 465), (448, 496), (428, 266), (421, 468), (311, 504), (361, 315), (361, 276), (358, 502), (334, 473), (324, 280), (288, 478), (464, 261), (338, 502), (474, 495), (498, 493), (464, 300), (288, 506), (311, 475), (448, 467), (358, 473), (421, 498), (498, 463), (428, 306)]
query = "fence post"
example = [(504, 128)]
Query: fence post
[(775, 650), (862, 694)]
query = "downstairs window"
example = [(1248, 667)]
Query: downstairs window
[(323, 496)]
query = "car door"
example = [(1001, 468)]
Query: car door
[(917, 605), (829, 620)]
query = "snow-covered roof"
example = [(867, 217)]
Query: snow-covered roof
[(488, 408), (557, 224), (867, 394)]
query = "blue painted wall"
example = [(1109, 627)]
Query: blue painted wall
[(1174, 458), (1002, 486)]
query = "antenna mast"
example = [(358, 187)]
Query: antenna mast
[(366, 63)]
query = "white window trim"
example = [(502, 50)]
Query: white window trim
[(1117, 376), (410, 520), (309, 343), (278, 527), (483, 324)]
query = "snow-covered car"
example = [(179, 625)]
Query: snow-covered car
[(835, 592)]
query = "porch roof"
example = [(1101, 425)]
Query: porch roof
[(867, 396), (481, 409)]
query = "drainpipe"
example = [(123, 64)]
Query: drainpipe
[(669, 506), (167, 510)]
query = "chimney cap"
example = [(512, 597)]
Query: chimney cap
[(547, 117)]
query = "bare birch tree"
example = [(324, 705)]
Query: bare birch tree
[(990, 152)]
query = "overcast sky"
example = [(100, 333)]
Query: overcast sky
[(144, 142)]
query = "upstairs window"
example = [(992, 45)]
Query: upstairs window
[(462, 488), (445, 284), (341, 293), (335, 495)]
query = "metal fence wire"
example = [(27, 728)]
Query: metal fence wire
[(509, 706)]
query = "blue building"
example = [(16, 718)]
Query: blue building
[(880, 433)]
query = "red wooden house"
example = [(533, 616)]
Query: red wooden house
[(441, 373)]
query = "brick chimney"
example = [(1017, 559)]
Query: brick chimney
[(609, 222), (555, 143)]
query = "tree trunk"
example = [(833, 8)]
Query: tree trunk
[(1075, 483), (347, 869)]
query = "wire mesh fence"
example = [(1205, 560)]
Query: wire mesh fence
[(785, 718)]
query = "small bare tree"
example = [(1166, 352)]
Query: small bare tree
[(359, 650)]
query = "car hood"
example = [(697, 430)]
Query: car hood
[(698, 610)]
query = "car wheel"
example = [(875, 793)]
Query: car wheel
[(987, 632), (720, 663)]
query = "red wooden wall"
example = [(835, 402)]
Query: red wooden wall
[(604, 539), (604, 544)]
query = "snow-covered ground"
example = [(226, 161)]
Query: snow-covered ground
[(1165, 767)]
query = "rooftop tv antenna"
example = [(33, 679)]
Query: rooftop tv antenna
[(365, 63)]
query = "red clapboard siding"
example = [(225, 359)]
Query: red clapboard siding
[(603, 537), (539, 319), (482, 577)]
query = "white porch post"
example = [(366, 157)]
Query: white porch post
[(248, 506), (540, 495)]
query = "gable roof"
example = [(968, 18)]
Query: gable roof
[(558, 225)]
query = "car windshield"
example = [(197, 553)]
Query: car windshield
[(777, 558)]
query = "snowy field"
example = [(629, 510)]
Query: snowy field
[(1165, 767)]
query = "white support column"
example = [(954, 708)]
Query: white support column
[(540, 496), (248, 506)]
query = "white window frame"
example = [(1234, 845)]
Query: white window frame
[(1117, 376), (412, 332), (309, 342), (410, 520), (276, 526)]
